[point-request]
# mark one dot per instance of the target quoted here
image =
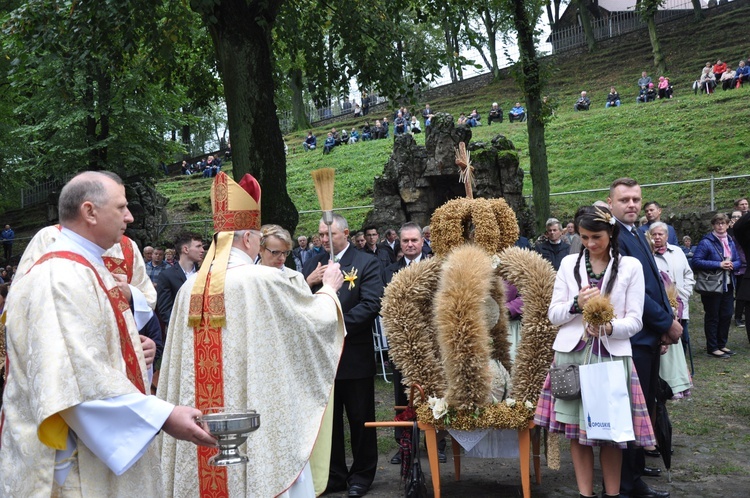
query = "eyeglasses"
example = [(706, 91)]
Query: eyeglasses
[(276, 254)]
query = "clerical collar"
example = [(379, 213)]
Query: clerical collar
[(341, 254), (240, 257), (86, 248)]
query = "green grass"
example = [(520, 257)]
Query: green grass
[(684, 138)]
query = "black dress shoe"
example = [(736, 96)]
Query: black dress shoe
[(652, 453), (396, 460), (441, 457), (649, 492), (652, 471), (361, 490)]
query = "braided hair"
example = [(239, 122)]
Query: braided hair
[(592, 218)]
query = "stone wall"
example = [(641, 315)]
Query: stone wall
[(418, 179), (148, 208)]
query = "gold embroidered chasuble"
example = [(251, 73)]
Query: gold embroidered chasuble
[(63, 309), (114, 258), (279, 352)]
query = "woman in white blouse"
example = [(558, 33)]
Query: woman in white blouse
[(597, 269)]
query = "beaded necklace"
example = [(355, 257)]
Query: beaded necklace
[(590, 270)]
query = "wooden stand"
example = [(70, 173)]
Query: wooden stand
[(526, 441)]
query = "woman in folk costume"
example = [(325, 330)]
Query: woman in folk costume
[(598, 270), (245, 338)]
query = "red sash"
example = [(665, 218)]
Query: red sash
[(124, 265), (209, 393), (119, 307)]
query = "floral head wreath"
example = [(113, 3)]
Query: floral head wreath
[(603, 216)]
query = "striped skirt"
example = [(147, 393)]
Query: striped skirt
[(565, 417)]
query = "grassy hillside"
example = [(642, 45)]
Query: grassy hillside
[(684, 138)]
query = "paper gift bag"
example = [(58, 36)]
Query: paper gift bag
[(606, 403)]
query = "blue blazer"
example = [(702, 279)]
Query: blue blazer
[(657, 312)]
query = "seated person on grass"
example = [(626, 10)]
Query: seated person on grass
[(707, 81), (329, 144), (399, 124), (462, 119), (427, 114), (727, 79), (353, 136), (613, 98), (643, 82), (664, 88), (517, 113), (741, 75), (385, 125), (336, 136), (414, 127), (377, 131), (344, 137), (649, 96), (474, 118), (583, 103), (495, 114), (719, 69), (310, 142), (366, 132)]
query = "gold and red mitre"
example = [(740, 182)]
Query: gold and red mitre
[(236, 206)]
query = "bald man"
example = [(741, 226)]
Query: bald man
[(77, 370)]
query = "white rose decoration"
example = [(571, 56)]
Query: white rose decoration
[(440, 408), (510, 402)]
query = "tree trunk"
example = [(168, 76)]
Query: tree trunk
[(588, 28), (532, 84), (242, 39), (491, 30), (300, 120), (697, 10), (659, 61)]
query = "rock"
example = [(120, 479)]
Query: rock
[(418, 179)]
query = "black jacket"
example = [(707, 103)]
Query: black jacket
[(167, 285), (360, 304)]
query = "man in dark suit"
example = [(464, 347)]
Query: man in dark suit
[(189, 249), (412, 244), (354, 389), (391, 244), (659, 325), (372, 247)]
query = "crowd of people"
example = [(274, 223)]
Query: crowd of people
[(208, 167), (86, 290), (713, 75)]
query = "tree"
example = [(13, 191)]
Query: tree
[(84, 73), (648, 10), (697, 10), (586, 23), (241, 35), (531, 80)]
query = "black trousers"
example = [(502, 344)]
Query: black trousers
[(357, 397), (739, 306), (646, 362), (718, 317)]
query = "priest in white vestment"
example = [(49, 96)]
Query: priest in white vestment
[(75, 419), (243, 336), (122, 258)]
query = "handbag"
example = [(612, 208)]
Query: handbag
[(709, 281), (565, 381), (416, 487)]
